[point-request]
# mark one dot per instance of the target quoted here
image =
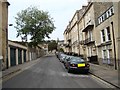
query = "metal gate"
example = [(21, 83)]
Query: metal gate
[(12, 56), (19, 56)]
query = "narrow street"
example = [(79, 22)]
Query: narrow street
[(50, 73)]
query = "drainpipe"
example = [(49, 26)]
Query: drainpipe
[(114, 46), (78, 34)]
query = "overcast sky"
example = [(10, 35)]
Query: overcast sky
[(60, 10)]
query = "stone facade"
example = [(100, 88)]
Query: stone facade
[(74, 33), (107, 34), (119, 36), (88, 29), (67, 40), (3, 30)]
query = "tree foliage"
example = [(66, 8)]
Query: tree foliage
[(52, 45), (61, 50), (34, 22)]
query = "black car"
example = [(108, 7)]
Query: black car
[(77, 64), (67, 59)]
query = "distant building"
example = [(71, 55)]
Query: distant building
[(44, 46), (60, 43)]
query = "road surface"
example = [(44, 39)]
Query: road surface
[(50, 73)]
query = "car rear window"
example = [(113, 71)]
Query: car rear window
[(77, 60)]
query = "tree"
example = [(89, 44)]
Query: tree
[(52, 45), (34, 22), (61, 50)]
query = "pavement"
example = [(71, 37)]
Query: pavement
[(110, 76), (106, 74), (17, 68)]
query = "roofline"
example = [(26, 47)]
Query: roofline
[(88, 7), (77, 11)]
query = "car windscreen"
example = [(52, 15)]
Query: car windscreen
[(63, 55), (68, 58)]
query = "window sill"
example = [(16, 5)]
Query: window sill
[(106, 43)]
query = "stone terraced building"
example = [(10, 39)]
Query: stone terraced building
[(94, 33)]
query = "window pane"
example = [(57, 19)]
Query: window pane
[(110, 13), (108, 29), (103, 35), (104, 56), (103, 32), (109, 37), (104, 38), (104, 53), (107, 14), (112, 10), (108, 33)]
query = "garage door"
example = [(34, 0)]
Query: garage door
[(19, 56), (12, 56), (24, 55)]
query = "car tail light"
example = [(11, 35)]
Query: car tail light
[(73, 65)]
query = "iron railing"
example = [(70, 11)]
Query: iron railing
[(88, 40)]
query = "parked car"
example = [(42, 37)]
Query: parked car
[(62, 57), (58, 55), (67, 59), (77, 64)]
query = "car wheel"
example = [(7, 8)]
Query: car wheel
[(86, 71), (65, 67)]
